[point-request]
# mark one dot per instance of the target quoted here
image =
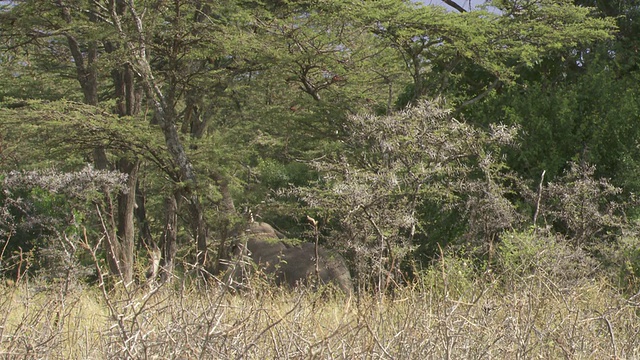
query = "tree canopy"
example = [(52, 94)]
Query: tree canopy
[(402, 127)]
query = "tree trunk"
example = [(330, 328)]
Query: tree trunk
[(166, 116), (140, 212), (200, 230), (128, 100), (168, 241), (111, 245), (128, 97), (84, 61), (227, 210), (120, 251), (87, 76), (126, 225)]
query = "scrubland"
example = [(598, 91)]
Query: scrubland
[(451, 311)]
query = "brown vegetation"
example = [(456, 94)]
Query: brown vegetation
[(449, 314)]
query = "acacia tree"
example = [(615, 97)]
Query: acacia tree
[(466, 56), (577, 103), (173, 57), (58, 28)]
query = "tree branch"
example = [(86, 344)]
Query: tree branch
[(454, 5), (482, 95)]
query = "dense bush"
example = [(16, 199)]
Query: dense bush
[(520, 255), (45, 214)]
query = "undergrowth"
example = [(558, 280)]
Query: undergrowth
[(452, 312)]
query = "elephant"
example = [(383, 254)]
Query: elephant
[(262, 247)]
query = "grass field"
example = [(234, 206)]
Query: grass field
[(448, 314)]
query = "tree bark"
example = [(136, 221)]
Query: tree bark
[(169, 237), (86, 71), (126, 225), (128, 99), (140, 212), (128, 103)]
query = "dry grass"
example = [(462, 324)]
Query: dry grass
[(448, 316)]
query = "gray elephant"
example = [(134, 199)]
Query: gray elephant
[(262, 247)]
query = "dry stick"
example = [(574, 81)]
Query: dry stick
[(613, 339), (314, 223), (444, 274), (377, 341), (4, 248), (382, 242), (112, 248), (7, 304), (213, 322), (127, 337), (19, 276), (535, 216), (270, 326), (123, 331)]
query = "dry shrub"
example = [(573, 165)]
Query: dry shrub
[(43, 322), (451, 314), (373, 194)]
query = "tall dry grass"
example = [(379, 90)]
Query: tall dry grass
[(449, 314)]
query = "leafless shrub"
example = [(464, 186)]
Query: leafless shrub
[(583, 208), (84, 184), (452, 313)]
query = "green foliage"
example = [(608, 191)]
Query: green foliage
[(30, 216), (63, 134), (21, 79), (523, 254), (275, 176), (625, 46), (591, 119), (622, 260), (257, 97), (46, 214), (464, 56), (450, 275), (583, 231)]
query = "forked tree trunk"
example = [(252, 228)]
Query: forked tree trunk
[(166, 117), (120, 251), (120, 248), (128, 100)]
